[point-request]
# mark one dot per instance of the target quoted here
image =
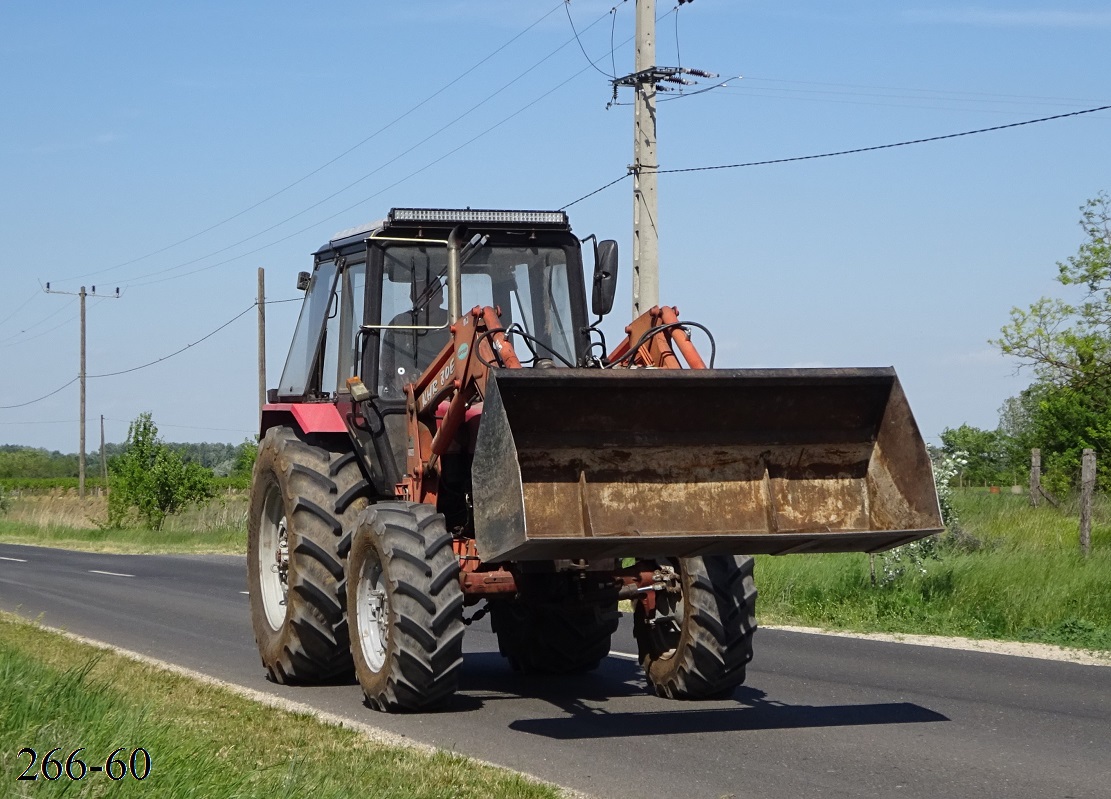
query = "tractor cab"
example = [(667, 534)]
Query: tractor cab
[(381, 297)]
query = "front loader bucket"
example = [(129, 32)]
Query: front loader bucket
[(575, 463)]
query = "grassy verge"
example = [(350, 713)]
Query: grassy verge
[(136, 541), (203, 741), (63, 520), (1017, 575)]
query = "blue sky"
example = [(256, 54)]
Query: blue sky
[(147, 146)]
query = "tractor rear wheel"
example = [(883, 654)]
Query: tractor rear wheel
[(550, 638), (305, 496), (699, 641), (406, 607)]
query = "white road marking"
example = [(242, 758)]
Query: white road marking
[(244, 592), (14, 560), (110, 574), (624, 655)]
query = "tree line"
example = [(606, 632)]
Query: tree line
[(34, 462), (1066, 343)]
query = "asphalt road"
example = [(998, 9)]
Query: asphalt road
[(819, 715)]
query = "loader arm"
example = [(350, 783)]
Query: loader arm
[(651, 340), (456, 377)]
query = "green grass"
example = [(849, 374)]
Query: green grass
[(1016, 575), (64, 520), (228, 541), (203, 741), (48, 484)]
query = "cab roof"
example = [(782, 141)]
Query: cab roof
[(448, 218)]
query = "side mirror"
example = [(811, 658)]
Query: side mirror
[(605, 277)]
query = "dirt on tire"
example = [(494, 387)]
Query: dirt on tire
[(322, 490), (701, 652)]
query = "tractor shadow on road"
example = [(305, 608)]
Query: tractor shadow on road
[(581, 698), (487, 677)]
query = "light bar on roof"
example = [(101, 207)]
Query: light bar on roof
[(476, 215)]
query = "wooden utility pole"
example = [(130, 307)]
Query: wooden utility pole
[(1035, 476), (261, 341), (1087, 489), (82, 294), (646, 236)]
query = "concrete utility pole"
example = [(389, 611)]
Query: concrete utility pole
[(646, 236), (261, 341), (81, 458), (82, 294), (103, 455), (646, 82)]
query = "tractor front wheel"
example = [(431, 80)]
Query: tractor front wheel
[(406, 607), (699, 640)]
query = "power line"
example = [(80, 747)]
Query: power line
[(889, 146), (22, 305), (684, 95), (41, 321), (850, 152), (1010, 97), (936, 96), (12, 343), (749, 92), (596, 191), (55, 421), (242, 313), (613, 28), (141, 280), (325, 165), (39, 399), (567, 8), (151, 363), (381, 191), (190, 427)]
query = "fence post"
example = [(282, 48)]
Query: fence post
[(1035, 476), (1087, 488)]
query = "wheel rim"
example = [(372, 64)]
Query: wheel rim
[(273, 558), (666, 628), (372, 612)]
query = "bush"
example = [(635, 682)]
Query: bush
[(912, 557), (151, 480), (5, 501)]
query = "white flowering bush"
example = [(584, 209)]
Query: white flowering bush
[(914, 556), (946, 469)]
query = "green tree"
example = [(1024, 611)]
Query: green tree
[(984, 454), (1068, 345), (151, 480), (245, 457)]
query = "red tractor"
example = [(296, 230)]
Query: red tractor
[(451, 430)]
